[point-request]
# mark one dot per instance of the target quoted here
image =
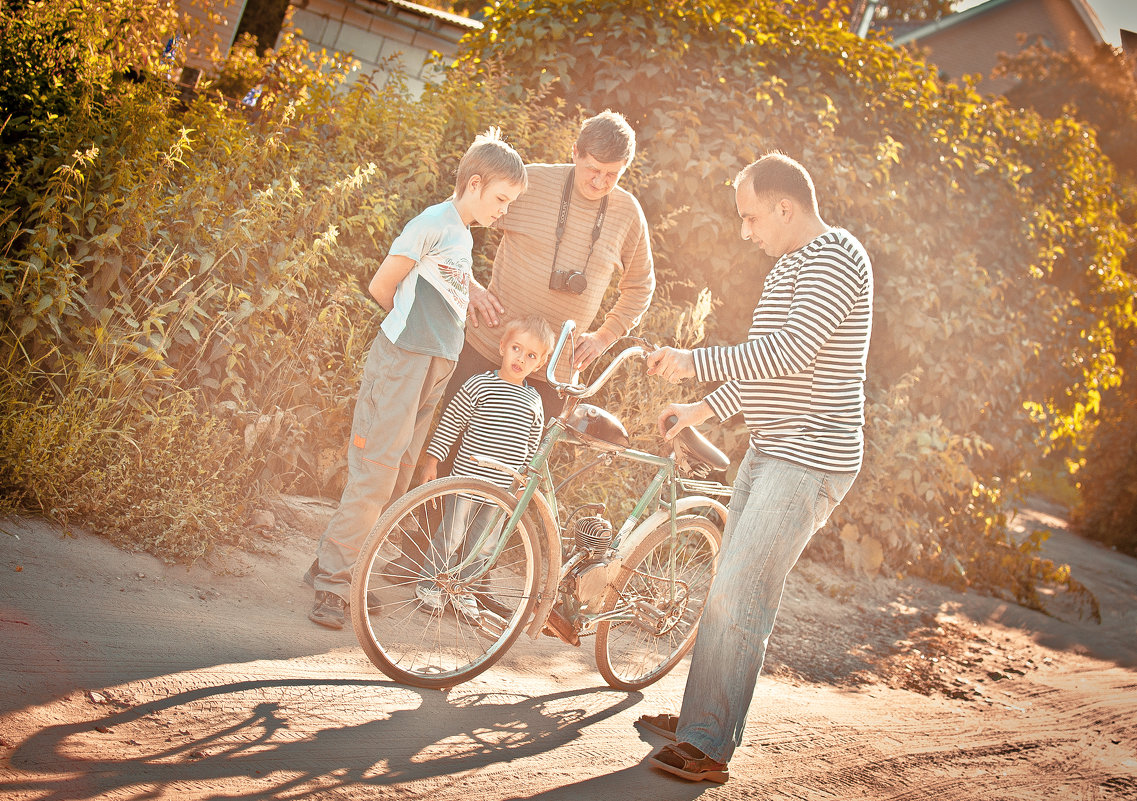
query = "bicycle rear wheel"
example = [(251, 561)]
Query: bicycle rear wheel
[(660, 592), (429, 605)]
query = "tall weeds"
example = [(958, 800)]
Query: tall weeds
[(182, 314)]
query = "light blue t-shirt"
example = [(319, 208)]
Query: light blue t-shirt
[(429, 314)]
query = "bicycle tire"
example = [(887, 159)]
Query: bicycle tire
[(393, 621), (632, 654)]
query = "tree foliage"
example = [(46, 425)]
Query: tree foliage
[(996, 241), (883, 13), (913, 10), (1100, 89)]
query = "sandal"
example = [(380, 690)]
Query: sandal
[(664, 725), (688, 762)]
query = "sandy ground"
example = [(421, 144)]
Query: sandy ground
[(124, 678)]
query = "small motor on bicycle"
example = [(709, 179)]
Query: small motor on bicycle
[(590, 566)]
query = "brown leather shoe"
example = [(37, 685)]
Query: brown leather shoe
[(688, 762), (664, 725)]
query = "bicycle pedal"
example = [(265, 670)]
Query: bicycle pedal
[(490, 624), (556, 625)]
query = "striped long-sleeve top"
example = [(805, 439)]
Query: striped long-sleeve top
[(496, 419), (799, 378)]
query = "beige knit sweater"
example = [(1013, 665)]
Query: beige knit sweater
[(521, 269)]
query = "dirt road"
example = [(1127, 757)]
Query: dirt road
[(121, 677)]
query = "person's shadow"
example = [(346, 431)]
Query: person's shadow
[(283, 748)]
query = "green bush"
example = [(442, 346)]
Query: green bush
[(996, 244), (113, 444), (181, 296)]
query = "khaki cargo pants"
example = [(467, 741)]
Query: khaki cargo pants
[(397, 399)]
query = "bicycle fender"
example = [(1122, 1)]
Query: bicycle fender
[(551, 539), (653, 521)]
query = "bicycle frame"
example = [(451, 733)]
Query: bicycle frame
[(538, 474)]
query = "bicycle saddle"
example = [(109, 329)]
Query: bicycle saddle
[(696, 455)]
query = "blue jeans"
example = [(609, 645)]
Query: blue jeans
[(774, 511)]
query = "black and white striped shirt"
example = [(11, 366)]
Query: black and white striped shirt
[(496, 419), (799, 378)]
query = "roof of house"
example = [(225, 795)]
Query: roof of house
[(1129, 42), (1084, 11), (433, 13)]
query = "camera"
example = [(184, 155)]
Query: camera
[(572, 281)]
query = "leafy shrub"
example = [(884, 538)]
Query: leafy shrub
[(1107, 482), (1098, 88), (996, 244), (164, 475), (182, 286)]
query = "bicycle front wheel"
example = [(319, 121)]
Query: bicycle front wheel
[(441, 590), (657, 600)]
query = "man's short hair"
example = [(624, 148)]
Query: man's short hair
[(534, 325), (607, 137), (494, 159), (776, 175)]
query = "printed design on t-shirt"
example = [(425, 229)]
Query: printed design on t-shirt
[(457, 278)]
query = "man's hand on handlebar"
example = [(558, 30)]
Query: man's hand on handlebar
[(671, 364), (587, 348), (686, 415)]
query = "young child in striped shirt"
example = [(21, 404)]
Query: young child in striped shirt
[(498, 415)]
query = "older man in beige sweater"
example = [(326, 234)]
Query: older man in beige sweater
[(563, 240)]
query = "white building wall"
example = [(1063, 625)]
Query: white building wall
[(373, 31)]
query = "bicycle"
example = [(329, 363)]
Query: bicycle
[(455, 570)]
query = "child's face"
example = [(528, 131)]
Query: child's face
[(490, 201), (521, 354)]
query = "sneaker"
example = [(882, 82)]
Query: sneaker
[(329, 610), (430, 597)]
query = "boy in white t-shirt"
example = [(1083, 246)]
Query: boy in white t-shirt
[(423, 283)]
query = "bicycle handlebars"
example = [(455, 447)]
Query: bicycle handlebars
[(585, 390)]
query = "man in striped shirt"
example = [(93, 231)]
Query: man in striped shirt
[(799, 382)]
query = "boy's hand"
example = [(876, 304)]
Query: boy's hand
[(484, 303), (671, 364), (387, 278), (429, 470)]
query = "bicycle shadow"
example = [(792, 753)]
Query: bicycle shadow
[(267, 746)]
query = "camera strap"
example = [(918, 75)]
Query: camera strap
[(562, 218)]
